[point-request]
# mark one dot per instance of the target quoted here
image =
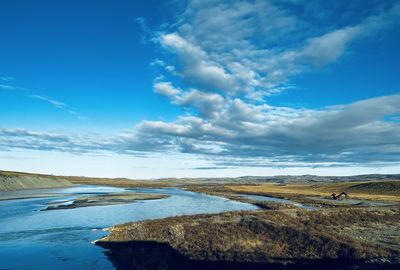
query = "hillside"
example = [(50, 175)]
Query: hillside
[(18, 180), (285, 179), (10, 181)]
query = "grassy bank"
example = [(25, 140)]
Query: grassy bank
[(272, 236), (338, 236)]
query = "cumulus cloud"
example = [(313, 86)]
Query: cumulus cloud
[(255, 47), (197, 67), (230, 55), (166, 89), (355, 133), (207, 104)]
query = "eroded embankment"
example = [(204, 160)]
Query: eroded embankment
[(289, 236), (16, 181)]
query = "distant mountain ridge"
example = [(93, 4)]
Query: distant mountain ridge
[(285, 179), (10, 180)]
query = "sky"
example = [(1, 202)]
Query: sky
[(210, 88)]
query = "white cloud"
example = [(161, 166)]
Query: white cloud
[(207, 104), (349, 134), (242, 130), (230, 55), (59, 105), (50, 100), (197, 67), (166, 89), (256, 47), (327, 48), (25, 92)]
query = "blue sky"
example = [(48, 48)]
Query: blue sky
[(147, 89)]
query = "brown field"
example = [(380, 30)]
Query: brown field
[(379, 191)]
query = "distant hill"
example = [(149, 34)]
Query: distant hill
[(286, 179), (18, 180), (10, 181)]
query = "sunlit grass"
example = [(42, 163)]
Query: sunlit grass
[(382, 191)]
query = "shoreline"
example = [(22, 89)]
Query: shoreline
[(266, 237), (339, 235), (105, 200), (362, 231)]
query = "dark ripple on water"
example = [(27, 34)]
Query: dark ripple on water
[(68, 233)]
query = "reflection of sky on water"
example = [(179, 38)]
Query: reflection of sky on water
[(60, 239)]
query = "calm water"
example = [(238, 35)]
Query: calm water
[(61, 239)]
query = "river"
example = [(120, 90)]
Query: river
[(61, 239)]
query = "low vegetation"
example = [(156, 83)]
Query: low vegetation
[(361, 236), (381, 191), (265, 236), (279, 233)]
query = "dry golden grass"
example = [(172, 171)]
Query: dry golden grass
[(263, 235), (380, 191), (117, 182)]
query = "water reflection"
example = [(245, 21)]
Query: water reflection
[(60, 239)]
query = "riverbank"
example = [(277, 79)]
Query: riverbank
[(62, 239), (360, 232), (294, 237), (360, 194)]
